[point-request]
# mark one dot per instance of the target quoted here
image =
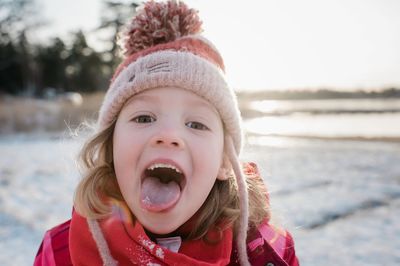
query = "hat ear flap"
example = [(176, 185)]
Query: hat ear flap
[(243, 200), (225, 171)]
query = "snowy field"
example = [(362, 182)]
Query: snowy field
[(340, 199)]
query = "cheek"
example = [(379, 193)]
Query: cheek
[(209, 155), (125, 144), (121, 167), (120, 152), (124, 157), (124, 168)]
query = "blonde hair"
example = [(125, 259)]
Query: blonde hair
[(222, 204)]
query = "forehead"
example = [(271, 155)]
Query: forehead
[(172, 95)]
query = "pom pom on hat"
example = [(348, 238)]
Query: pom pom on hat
[(159, 22)]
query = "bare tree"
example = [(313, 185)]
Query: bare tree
[(17, 17), (115, 14)]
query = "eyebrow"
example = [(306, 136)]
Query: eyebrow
[(203, 103), (142, 98), (145, 97)]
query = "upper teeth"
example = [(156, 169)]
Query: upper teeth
[(163, 165)]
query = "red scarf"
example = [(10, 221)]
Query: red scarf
[(128, 244)]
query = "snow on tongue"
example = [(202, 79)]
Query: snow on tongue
[(157, 196)]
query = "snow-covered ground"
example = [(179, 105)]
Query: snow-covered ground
[(339, 199)]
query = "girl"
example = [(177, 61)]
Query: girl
[(162, 184)]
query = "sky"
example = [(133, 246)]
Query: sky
[(279, 44)]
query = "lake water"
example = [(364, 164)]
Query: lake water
[(344, 118)]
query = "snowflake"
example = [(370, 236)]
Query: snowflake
[(147, 243), (160, 253)]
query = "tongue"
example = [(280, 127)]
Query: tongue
[(157, 196)]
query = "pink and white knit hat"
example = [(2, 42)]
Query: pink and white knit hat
[(163, 47)]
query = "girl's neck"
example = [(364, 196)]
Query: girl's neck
[(181, 232)]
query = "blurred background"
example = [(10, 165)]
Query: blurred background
[(318, 84)]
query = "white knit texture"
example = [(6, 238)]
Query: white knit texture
[(101, 243), (241, 238), (175, 69)]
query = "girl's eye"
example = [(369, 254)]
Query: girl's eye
[(144, 119), (197, 126)]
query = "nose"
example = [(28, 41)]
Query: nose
[(169, 138)]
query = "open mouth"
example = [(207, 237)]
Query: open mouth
[(165, 173), (162, 184)]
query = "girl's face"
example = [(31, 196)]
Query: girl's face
[(167, 148)]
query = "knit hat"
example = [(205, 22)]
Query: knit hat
[(163, 47)]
